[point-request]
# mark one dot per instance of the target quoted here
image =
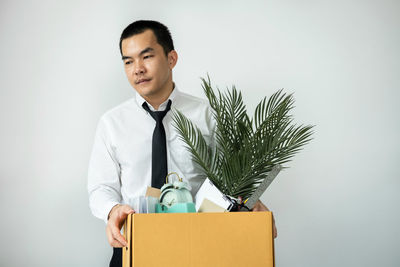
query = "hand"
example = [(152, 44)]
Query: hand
[(116, 219), (259, 206)]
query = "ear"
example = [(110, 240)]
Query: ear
[(172, 59)]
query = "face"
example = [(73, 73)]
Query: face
[(147, 67)]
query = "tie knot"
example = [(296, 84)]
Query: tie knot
[(158, 116)]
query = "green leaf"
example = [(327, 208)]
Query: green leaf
[(246, 148)]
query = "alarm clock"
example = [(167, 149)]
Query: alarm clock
[(175, 197)]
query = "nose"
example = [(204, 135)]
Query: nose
[(139, 67)]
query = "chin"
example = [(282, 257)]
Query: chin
[(143, 90), (148, 93)]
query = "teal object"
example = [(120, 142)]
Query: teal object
[(175, 197), (176, 208)]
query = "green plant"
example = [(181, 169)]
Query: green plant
[(246, 148)]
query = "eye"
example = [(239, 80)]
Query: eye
[(147, 56), (128, 62)]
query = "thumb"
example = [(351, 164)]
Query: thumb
[(122, 213), (126, 209)]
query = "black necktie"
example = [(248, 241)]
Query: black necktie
[(159, 167)]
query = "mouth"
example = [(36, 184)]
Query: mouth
[(142, 81)]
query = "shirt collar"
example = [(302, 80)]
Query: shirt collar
[(173, 96)]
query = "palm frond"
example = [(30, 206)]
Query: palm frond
[(246, 148), (194, 141)]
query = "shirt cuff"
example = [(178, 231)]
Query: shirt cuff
[(108, 208)]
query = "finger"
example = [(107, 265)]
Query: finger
[(257, 207), (126, 209), (116, 244), (114, 237), (274, 225), (118, 217), (118, 237), (110, 237)]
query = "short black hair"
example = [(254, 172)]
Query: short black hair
[(161, 32)]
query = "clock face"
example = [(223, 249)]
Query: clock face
[(170, 198)]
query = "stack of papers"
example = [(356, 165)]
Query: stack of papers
[(210, 199)]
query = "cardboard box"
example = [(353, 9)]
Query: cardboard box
[(199, 240)]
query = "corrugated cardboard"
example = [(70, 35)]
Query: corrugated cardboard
[(199, 240)]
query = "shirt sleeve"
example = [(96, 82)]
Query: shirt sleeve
[(104, 184)]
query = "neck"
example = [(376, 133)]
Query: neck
[(156, 100)]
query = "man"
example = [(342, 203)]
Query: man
[(125, 160)]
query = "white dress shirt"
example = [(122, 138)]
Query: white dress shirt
[(120, 163)]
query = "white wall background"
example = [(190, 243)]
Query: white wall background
[(60, 70)]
